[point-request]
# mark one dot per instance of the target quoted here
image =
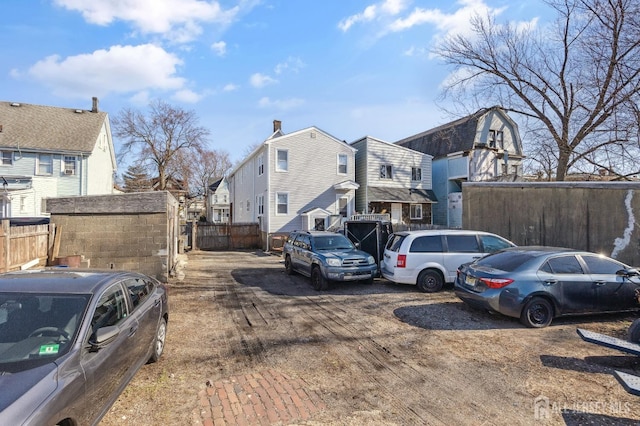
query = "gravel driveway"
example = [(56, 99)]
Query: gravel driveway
[(248, 344)]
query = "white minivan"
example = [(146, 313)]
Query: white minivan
[(430, 258)]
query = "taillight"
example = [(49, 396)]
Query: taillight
[(496, 282), (402, 261)]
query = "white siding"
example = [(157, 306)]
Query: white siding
[(100, 169), (402, 160)]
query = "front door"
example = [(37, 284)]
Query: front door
[(396, 213)]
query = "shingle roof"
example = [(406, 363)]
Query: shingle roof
[(458, 135), (393, 195), (38, 127)]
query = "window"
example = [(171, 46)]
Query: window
[(427, 244), (111, 308), (342, 164), (45, 164), (224, 198), (463, 243), (260, 204), (69, 165), (282, 203), (386, 171), (563, 265), (260, 164), (492, 243), (416, 174), (248, 206), (7, 158), (215, 198), (23, 204), (496, 139), (138, 290), (415, 211), (282, 160), (598, 265)]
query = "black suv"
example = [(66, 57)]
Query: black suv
[(325, 257)]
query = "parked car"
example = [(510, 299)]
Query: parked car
[(537, 284), (72, 339), (327, 256), (430, 258)]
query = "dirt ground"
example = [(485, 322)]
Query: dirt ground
[(381, 354)]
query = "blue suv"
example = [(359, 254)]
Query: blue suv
[(325, 257)]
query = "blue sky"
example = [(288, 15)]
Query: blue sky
[(349, 67)]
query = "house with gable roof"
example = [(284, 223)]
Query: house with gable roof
[(304, 180), (48, 152), (394, 180), (484, 146), (217, 200)]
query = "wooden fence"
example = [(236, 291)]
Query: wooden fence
[(212, 236), (24, 246)]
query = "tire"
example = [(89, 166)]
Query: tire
[(318, 282), (158, 341), (633, 334), (368, 281), (288, 266), (537, 313), (430, 281)]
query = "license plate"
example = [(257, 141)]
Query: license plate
[(469, 280)]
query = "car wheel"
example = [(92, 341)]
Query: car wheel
[(633, 334), (537, 313), (158, 342), (288, 267), (430, 281), (317, 280)]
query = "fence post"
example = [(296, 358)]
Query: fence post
[(194, 235), (6, 229)]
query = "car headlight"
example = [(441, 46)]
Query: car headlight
[(334, 262), (371, 260)]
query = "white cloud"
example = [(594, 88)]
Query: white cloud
[(117, 70), (374, 12), (187, 96), (230, 87), (292, 64), (178, 20), (260, 80), (281, 104), (220, 48)]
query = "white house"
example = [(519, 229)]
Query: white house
[(393, 180), (484, 146), (218, 201), (298, 181), (52, 152)]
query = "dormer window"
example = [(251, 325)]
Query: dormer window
[(496, 139)]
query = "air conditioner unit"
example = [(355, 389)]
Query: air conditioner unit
[(68, 172)]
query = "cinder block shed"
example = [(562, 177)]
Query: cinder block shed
[(133, 231)]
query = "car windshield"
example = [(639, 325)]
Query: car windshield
[(506, 260), (332, 242), (37, 327)]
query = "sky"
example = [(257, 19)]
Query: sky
[(352, 68)]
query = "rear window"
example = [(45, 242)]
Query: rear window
[(463, 244), (505, 261), (427, 244), (395, 241), (492, 243)]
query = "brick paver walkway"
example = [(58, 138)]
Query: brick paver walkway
[(263, 398)]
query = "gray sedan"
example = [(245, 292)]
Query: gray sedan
[(71, 340), (537, 284)]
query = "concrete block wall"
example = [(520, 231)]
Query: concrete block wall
[(112, 232)]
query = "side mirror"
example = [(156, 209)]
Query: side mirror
[(628, 273), (103, 336)]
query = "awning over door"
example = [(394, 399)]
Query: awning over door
[(400, 195)]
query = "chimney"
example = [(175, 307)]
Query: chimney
[(277, 125), (94, 108)]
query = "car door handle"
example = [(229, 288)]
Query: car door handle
[(600, 283), (133, 330), (550, 282)]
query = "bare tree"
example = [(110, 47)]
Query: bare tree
[(199, 168), (577, 81), (155, 139)]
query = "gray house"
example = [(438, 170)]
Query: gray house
[(393, 180), (52, 152), (484, 146)]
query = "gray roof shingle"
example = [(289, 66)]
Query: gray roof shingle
[(46, 128), (456, 136)]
